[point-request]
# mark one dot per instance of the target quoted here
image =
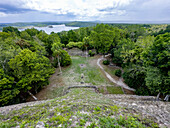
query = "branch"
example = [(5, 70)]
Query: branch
[(32, 96)]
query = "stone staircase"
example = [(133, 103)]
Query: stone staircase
[(6, 109), (147, 105)]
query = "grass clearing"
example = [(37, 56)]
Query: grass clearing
[(110, 90), (92, 73), (114, 90)]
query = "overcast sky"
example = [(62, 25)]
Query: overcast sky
[(84, 10)]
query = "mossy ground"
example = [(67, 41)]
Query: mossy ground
[(80, 108)]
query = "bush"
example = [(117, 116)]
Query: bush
[(118, 72), (118, 61), (91, 53), (79, 45), (65, 58), (135, 77), (106, 62)]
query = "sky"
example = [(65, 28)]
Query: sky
[(84, 10)]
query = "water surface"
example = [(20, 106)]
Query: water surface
[(55, 28)]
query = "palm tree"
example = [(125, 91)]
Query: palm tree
[(56, 48)]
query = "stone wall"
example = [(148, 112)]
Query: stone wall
[(78, 52)]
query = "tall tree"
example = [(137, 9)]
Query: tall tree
[(31, 71), (57, 49)]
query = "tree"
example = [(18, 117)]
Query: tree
[(11, 30), (25, 35), (72, 36), (86, 43), (4, 35), (8, 88), (32, 31), (156, 82), (8, 50), (65, 58), (56, 48), (157, 59), (64, 38), (31, 71), (23, 44), (134, 76)]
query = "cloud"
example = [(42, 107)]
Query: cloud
[(9, 9), (2, 14), (77, 7), (107, 10)]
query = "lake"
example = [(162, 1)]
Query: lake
[(55, 28)]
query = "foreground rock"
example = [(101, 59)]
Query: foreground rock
[(86, 108)]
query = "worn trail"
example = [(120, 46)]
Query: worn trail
[(118, 82)]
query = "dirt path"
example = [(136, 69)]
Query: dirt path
[(118, 82), (49, 91), (58, 83)]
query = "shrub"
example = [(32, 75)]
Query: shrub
[(118, 72), (65, 58), (79, 45), (106, 62), (91, 53), (118, 61)]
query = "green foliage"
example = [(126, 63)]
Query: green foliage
[(11, 30), (118, 72), (105, 37), (65, 58), (91, 53), (38, 47), (158, 53), (53, 38), (156, 82), (30, 70), (82, 122), (4, 35), (157, 58), (25, 35), (97, 108), (92, 125), (106, 62), (117, 60), (62, 55), (75, 44), (42, 36), (23, 44), (23, 64), (8, 88), (135, 77), (8, 50), (130, 122), (32, 31), (72, 36), (107, 122), (81, 24)]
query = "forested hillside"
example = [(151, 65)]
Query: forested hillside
[(28, 58), (141, 50)]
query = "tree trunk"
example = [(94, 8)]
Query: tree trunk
[(167, 98), (157, 98), (86, 53), (32, 95), (59, 65)]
